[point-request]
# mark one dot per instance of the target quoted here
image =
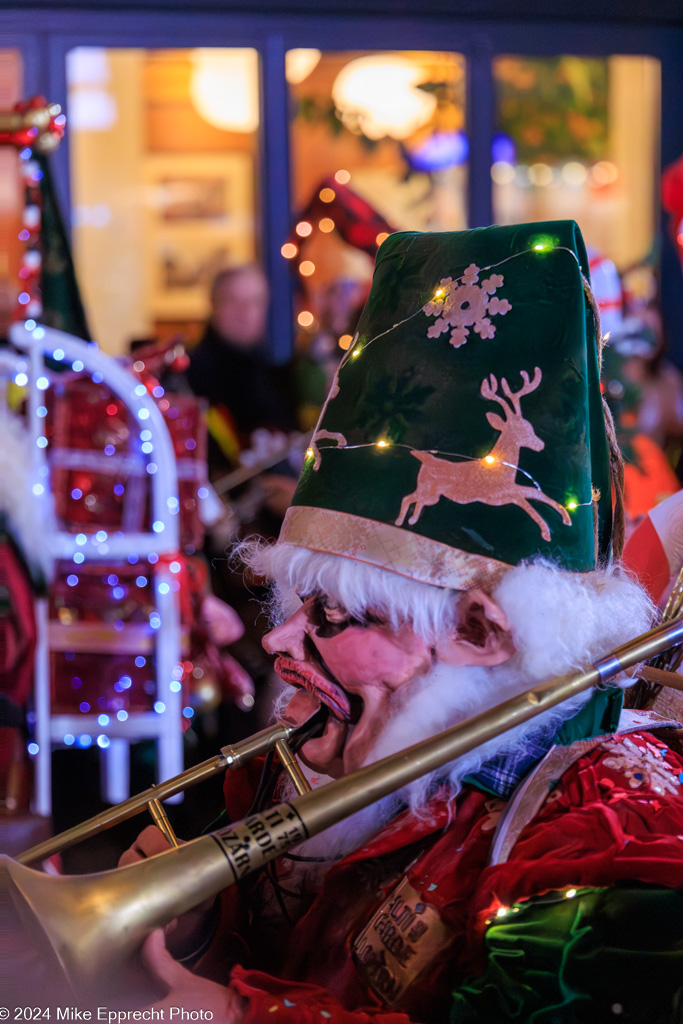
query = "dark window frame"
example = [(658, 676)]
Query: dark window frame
[(52, 33)]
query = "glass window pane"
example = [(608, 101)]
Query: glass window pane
[(389, 128), (394, 121), (578, 138), (164, 152)]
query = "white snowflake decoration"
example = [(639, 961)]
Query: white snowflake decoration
[(462, 303)]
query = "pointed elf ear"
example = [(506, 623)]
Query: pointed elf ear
[(482, 635)]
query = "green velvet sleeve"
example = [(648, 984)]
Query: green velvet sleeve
[(612, 955)]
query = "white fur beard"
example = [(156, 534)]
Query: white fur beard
[(559, 621), (444, 697)]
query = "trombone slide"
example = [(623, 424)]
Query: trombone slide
[(232, 756)]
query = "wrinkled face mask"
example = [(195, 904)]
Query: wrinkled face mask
[(354, 667)]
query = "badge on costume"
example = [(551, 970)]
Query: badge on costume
[(402, 938)]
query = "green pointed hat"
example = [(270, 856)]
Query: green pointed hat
[(464, 430)]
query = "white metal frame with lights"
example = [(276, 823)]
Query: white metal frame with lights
[(163, 725)]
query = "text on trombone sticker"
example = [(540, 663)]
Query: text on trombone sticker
[(258, 839)]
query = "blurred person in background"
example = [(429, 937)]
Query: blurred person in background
[(661, 382), (251, 412), (641, 389), (229, 367)]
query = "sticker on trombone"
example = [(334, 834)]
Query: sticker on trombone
[(251, 843)]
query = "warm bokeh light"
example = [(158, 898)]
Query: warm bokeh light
[(604, 172), (540, 174), (305, 318), (307, 268), (502, 173), (299, 63), (224, 88), (574, 173), (326, 225), (342, 177), (380, 95), (345, 341), (303, 229), (289, 250), (327, 194), (382, 237)]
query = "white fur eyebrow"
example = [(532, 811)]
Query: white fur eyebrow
[(360, 588)]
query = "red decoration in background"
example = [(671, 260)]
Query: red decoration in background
[(100, 481), (34, 123), (354, 218), (17, 627), (672, 200), (18, 635), (672, 188), (96, 683), (131, 602), (99, 469), (645, 556), (105, 617), (99, 473)]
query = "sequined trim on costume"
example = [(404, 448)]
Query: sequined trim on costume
[(643, 766), (537, 787), (396, 550)]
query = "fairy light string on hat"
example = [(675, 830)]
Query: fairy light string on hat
[(545, 247), (571, 505), (356, 349)]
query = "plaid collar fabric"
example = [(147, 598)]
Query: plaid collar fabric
[(501, 775), (599, 716)]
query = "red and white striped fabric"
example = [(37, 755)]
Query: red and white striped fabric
[(654, 551)]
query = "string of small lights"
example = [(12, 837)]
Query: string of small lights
[(543, 245)]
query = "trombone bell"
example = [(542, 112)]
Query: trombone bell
[(85, 928)]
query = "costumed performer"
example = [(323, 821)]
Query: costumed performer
[(451, 542)]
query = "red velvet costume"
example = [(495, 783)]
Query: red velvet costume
[(418, 921)]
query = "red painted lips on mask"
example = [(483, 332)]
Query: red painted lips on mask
[(315, 682)]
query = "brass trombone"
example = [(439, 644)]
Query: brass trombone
[(86, 929), (275, 737)]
